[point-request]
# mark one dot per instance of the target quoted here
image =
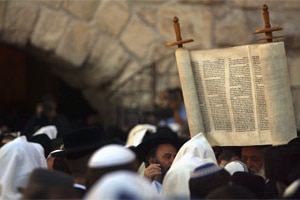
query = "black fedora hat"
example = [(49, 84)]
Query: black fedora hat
[(80, 142), (163, 135), (43, 140)]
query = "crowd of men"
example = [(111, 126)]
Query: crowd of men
[(157, 161)]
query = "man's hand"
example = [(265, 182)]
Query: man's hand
[(152, 170)]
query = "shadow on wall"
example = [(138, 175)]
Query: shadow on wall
[(25, 79)]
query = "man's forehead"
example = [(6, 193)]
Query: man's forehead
[(251, 151)]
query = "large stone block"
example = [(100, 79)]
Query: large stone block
[(19, 21), (112, 16), (233, 29), (163, 67), (131, 70), (138, 37), (195, 22), (82, 9), (2, 13), (148, 13), (272, 4), (49, 29), (148, 1), (287, 20), (206, 2), (290, 4), (142, 100), (77, 43), (160, 52), (294, 71), (56, 4), (109, 57), (253, 4)]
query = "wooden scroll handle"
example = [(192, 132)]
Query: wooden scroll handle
[(268, 29), (179, 40)]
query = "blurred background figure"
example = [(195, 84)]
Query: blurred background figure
[(228, 154), (170, 110), (47, 114), (253, 157), (46, 184)]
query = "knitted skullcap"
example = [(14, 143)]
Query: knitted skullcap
[(111, 155), (206, 169)]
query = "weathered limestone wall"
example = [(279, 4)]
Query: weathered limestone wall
[(114, 50)]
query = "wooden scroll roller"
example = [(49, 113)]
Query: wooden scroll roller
[(179, 40), (268, 29)]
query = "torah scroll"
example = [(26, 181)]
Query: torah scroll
[(238, 96)]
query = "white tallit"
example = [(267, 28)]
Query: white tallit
[(18, 159), (193, 153)]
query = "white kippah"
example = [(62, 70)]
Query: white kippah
[(122, 185), (111, 155), (236, 166)]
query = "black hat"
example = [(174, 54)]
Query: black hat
[(82, 141), (43, 140), (282, 162), (163, 135)]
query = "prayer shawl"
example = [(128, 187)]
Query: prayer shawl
[(193, 153), (18, 159)]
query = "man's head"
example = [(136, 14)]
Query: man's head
[(49, 106), (79, 145), (253, 157), (46, 184), (151, 141), (108, 159), (205, 178), (162, 154), (175, 98), (159, 148)]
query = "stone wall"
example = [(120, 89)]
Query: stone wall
[(114, 50)]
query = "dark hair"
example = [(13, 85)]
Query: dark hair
[(172, 94), (254, 183), (78, 166), (60, 164), (151, 154), (46, 184)]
